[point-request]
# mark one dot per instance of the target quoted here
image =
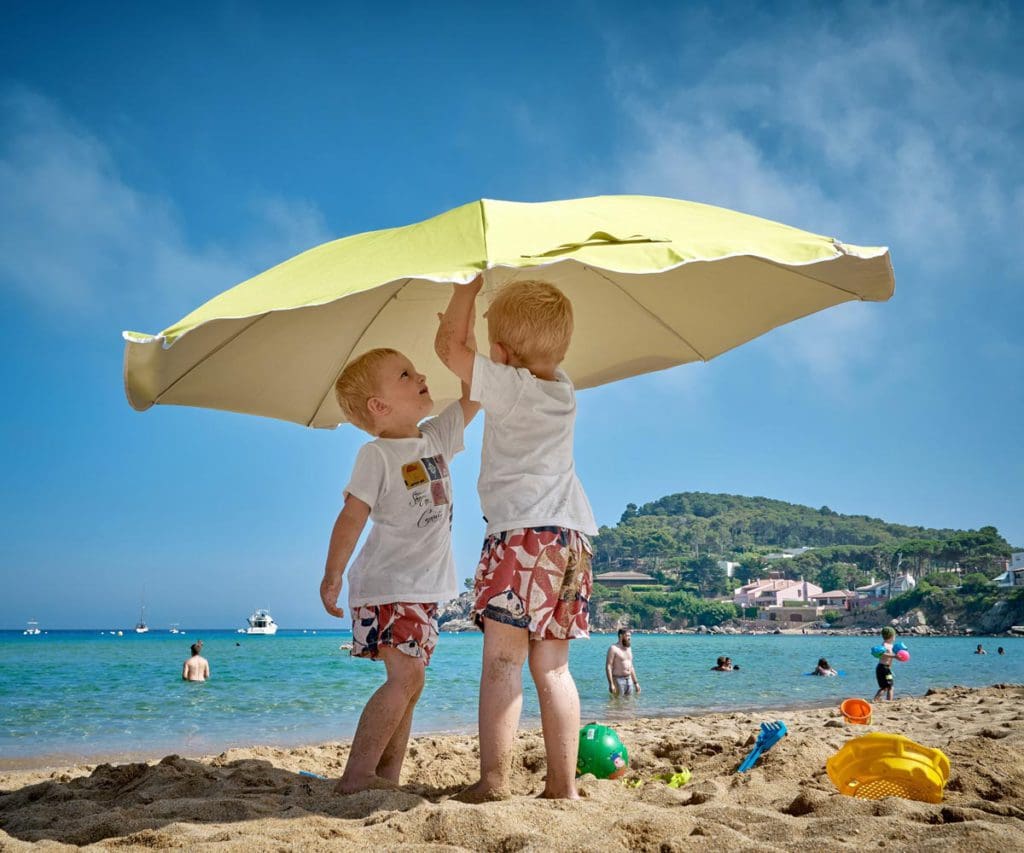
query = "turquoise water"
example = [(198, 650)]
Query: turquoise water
[(76, 695)]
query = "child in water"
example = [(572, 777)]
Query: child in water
[(823, 668), (883, 672)]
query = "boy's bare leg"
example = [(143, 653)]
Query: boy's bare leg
[(501, 701), (390, 765), (380, 722), (559, 715)]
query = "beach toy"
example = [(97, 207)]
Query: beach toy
[(601, 752), (886, 765), (878, 651), (902, 655), (771, 734), (676, 780), (311, 775), (899, 646), (856, 711)]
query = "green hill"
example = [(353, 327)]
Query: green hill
[(681, 538)]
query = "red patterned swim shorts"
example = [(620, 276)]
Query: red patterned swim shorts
[(410, 628), (536, 578)]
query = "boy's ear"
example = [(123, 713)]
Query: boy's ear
[(377, 407), (502, 353)]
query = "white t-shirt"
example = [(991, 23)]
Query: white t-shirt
[(405, 482), (527, 474)]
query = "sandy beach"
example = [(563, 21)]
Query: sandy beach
[(254, 799)]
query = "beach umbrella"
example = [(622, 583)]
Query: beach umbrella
[(654, 282)]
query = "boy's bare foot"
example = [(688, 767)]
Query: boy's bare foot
[(480, 793), (367, 783), (550, 795)]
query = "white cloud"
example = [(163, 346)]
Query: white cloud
[(77, 237), (877, 129)]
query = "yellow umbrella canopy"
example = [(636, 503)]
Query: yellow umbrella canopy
[(654, 282)]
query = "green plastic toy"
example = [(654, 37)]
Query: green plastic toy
[(601, 753), (676, 780)]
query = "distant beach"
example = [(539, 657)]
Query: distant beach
[(254, 798)]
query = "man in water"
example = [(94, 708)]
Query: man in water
[(618, 666), (196, 668)]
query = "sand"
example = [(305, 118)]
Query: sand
[(254, 799)]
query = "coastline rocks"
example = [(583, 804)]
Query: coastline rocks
[(458, 626), (457, 609)]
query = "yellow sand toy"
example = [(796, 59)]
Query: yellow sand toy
[(885, 765)]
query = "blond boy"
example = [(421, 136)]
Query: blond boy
[(401, 482), (533, 582)]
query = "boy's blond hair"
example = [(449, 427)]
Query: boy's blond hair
[(357, 383), (888, 633), (533, 319)]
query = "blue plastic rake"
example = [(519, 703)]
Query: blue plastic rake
[(771, 734)]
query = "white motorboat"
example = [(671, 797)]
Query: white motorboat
[(32, 628), (175, 629), (260, 622)]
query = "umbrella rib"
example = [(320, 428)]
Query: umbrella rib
[(798, 272), (208, 356), (352, 349), (648, 312)]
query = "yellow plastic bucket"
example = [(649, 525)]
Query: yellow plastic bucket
[(856, 711), (888, 765)]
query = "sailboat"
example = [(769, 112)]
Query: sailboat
[(141, 627)]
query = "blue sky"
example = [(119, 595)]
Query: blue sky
[(152, 157)]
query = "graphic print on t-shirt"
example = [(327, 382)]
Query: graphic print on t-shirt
[(428, 485), (414, 474)]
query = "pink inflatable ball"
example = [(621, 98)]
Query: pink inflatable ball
[(902, 655)]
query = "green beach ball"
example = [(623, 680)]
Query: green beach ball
[(601, 752)]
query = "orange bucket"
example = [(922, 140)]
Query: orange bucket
[(856, 711)]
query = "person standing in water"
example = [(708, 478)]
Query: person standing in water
[(196, 668), (618, 666)]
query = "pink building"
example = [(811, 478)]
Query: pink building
[(773, 592), (838, 599)]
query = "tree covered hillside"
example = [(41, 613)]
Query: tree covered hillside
[(731, 523), (680, 539)]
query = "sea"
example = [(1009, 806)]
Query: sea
[(89, 696)]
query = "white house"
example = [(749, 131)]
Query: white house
[(904, 583), (1014, 574), (786, 554), (728, 567)]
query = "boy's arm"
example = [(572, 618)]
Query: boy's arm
[(451, 343), (469, 407), (347, 528)]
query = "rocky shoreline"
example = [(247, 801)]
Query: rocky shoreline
[(454, 617)]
